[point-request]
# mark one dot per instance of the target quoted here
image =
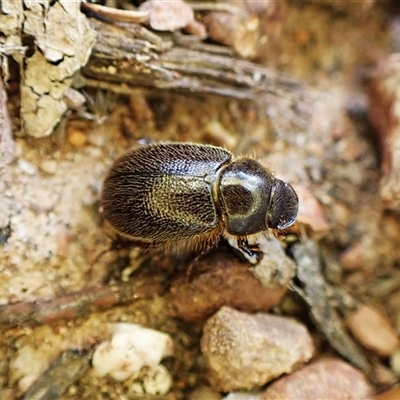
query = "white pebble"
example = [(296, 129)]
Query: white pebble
[(157, 380), (27, 167), (130, 348), (49, 166)]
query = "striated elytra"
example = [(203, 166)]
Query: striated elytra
[(193, 194)]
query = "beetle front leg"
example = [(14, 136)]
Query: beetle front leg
[(251, 252)]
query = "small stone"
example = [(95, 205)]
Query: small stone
[(49, 166), (310, 212), (131, 348), (373, 330), (197, 29), (27, 167), (243, 396), (77, 138), (238, 31), (246, 351), (224, 279), (204, 393), (74, 99), (325, 379), (157, 380), (395, 362), (168, 15), (353, 257), (220, 26), (391, 394)]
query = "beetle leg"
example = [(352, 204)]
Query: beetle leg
[(252, 252)]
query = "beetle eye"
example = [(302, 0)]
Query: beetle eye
[(283, 207)]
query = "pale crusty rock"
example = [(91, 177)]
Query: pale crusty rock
[(246, 351), (64, 40)]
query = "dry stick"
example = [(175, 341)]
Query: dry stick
[(115, 14), (127, 56), (59, 376), (309, 272), (78, 304)]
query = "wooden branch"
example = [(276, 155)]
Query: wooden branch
[(78, 304), (127, 56)]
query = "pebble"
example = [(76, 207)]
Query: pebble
[(157, 380), (391, 394), (221, 278), (130, 348), (243, 396), (168, 16), (311, 212), (395, 362), (27, 167), (204, 393), (245, 351), (49, 166), (76, 137), (353, 257), (331, 379), (74, 99), (373, 330)]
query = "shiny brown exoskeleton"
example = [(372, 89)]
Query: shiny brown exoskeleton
[(192, 194)]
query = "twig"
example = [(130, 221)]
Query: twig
[(114, 14), (124, 59), (78, 304)]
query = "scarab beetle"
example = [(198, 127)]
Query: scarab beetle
[(193, 194)]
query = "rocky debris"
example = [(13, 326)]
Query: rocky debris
[(326, 379), (246, 351)]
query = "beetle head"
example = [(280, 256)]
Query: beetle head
[(283, 206)]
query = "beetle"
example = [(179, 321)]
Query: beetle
[(194, 194)]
